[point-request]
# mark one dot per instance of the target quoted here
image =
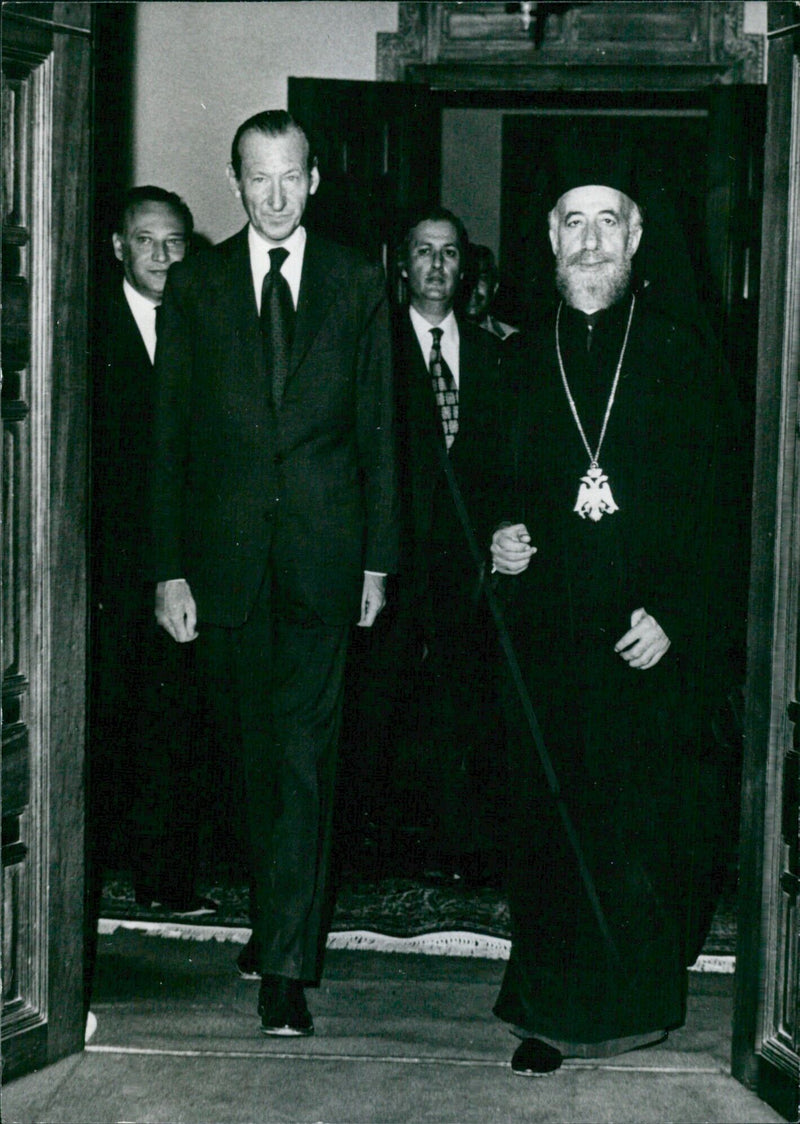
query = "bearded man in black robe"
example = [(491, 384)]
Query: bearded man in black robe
[(608, 555)]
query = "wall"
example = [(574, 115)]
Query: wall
[(202, 68), (471, 184), (213, 64)]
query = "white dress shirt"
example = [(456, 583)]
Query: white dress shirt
[(291, 269), (450, 338), (144, 313)]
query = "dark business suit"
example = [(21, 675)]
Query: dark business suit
[(272, 515), (142, 782), (441, 583)]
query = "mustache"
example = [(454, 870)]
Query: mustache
[(585, 257)]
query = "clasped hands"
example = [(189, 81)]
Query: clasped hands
[(643, 644), (176, 610)]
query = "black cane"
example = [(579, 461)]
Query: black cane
[(527, 706)]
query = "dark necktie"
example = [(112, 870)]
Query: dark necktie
[(277, 323), (444, 387)]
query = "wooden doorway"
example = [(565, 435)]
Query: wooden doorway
[(767, 1009), (718, 133), (46, 101), (728, 279)]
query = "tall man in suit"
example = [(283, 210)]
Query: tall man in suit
[(141, 782), (274, 517), (442, 361)]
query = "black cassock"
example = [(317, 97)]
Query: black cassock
[(632, 749)]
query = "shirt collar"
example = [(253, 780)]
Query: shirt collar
[(449, 343), (260, 246), (136, 301), (291, 269), (423, 328), (143, 311)]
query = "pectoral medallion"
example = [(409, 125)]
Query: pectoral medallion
[(594, 495)]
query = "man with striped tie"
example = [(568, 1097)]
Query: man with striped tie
[(441, 362)]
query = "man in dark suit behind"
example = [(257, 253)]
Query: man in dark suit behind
[(274, 504), (442, 591), (142, 790)]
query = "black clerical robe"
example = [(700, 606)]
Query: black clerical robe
[(632, 749)]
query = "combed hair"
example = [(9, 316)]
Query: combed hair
[(150, 194), (432, 213), (271, 123)]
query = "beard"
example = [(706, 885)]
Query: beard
[(591, 292)]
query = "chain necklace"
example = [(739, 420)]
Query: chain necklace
[(594, 494)]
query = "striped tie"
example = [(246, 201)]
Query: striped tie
[(444, 387)]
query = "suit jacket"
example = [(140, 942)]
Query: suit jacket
[(433, 530), (123, 400), (308, 489)]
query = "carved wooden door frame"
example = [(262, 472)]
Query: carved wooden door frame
[(47, 67), (766, 1019)]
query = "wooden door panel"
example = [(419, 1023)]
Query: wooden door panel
[(45, 121), (766, 1033), (27, 110), (379, 146)]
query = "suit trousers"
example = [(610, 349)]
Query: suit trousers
[(280, 676), (460, 713)]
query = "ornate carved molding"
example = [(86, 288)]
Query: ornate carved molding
[(396, 50), (748, 50), (631, 45)]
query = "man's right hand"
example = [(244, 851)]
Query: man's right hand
[(511, 549), (176, 610)]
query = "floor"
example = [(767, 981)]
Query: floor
[(399, 1037)]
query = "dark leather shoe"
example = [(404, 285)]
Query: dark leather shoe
[(283, 1009), (534, 1058), (247, 962)]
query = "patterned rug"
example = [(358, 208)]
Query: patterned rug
[(395, 907)]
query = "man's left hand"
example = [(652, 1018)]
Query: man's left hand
[(373, 598), (645, 643)]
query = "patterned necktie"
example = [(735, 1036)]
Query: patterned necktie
[(277, 323), (444, 387)]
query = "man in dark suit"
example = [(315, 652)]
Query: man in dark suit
[(141, 783), (139, 676), (274, 518), (442, 360)]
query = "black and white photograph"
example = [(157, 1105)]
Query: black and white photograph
[(400, 562)]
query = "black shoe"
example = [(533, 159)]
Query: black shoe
[(534, 1058), (247, 962), (282, 1007)]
